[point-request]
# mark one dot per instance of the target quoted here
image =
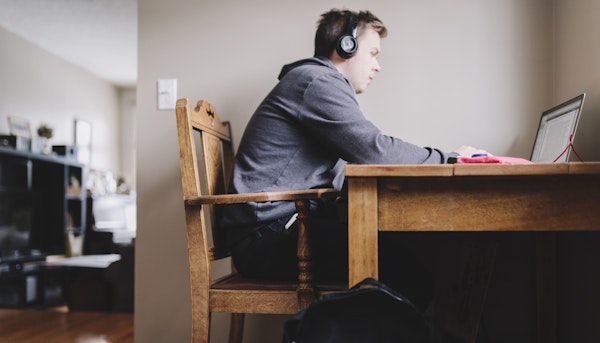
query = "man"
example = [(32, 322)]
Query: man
[(300, 137)]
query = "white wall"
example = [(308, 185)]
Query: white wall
[(460, 72), (42, 88), (127, 142)]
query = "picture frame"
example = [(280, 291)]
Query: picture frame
[(19, 127)]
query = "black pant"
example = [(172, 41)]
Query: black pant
[(270, 253)]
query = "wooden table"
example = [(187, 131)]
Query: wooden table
[(472, 197)]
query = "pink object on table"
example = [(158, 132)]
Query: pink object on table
[(494, 159)]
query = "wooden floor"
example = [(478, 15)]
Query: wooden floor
[(61, 326)]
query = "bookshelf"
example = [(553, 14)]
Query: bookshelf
[(42, 213)]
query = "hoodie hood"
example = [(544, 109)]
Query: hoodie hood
[(322, 61)]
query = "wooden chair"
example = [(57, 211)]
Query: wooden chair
[(204, 139)]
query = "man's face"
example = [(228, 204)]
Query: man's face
[(361, 68)]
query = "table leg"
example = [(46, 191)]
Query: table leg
[(362, 229)]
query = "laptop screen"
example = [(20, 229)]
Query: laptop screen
[(556, 131)]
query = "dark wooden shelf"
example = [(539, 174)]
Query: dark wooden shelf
[(47, 193)]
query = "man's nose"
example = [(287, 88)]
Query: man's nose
[(376, 66)]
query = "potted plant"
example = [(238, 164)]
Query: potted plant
[(45, 132)]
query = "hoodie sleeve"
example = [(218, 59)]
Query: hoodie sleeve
[(331, 113)]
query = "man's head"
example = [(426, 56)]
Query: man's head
[(358, 66)]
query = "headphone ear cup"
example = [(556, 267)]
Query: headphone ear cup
[(346, 46)]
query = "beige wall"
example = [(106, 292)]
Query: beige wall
[(460, 72), (577, 69), (43, 88)]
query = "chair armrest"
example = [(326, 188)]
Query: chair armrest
[(316, 193)]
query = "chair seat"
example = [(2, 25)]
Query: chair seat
[(261, 296), (236, 281)]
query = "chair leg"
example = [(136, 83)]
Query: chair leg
[(201, 326), (306, 290), (236, 328)]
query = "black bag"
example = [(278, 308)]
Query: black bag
[(369, 312)]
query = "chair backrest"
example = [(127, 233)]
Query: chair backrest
[(206, 159)]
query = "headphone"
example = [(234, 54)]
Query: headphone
[(347, 44)]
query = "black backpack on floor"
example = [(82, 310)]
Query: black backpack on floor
[(369, 312)]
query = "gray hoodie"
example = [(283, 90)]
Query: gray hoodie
[(301, 136)]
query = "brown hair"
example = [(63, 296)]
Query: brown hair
[(333, 23)]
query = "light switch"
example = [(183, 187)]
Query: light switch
[(167, 94)]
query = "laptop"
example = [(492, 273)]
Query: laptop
[(556, 131)]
